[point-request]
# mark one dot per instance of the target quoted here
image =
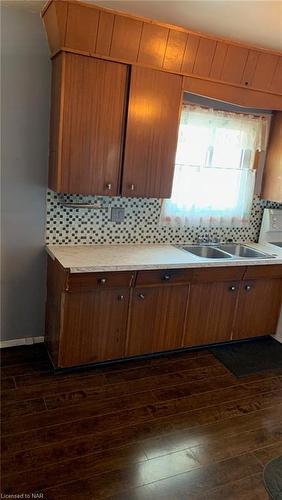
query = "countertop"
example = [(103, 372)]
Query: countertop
[(95, 258)]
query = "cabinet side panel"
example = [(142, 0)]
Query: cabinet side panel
[(54, 178), (56, 282)]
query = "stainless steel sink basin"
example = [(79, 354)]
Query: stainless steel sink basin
[(238, 250), (228, 251), (276, 243), (207, 252)]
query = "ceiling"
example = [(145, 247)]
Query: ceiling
[(257, 22)]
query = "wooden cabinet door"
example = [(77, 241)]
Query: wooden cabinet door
[(156, 319), (272, 179), (258, 308), (151, 135), (94, 326), (92, 125), (210, 314)]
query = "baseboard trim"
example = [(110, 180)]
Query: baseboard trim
[(22, 341)]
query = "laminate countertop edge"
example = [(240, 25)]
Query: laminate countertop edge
[(103, 258)]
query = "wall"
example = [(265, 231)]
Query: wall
[(25, 116), (141, 223)]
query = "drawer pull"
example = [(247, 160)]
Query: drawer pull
[(248, 288), (232, 288), (166, 277), (103, 281), (131, 187), (109, 186), (141, 296), (121, 297)]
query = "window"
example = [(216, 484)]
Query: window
[(214, 177)]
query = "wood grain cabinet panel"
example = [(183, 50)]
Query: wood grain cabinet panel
[(151, 136), (204, 57), (250, 67), (175, 50), (94, 326), (258, 308), (104, 35), (55, 134), (153, 45), (247, 97), (264, 71), (126, 38), (272, 178), (156, 319), (211, 311), (93, 125), (190, 53), (218, 60), (55, 22), (276, 84), (86, 282), (82, 27), (166, 277), (234, 64)]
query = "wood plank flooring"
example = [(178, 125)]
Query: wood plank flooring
[(174, 427)]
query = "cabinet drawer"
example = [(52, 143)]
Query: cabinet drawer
[(164, 276), (218, 274), (269, 271), (89, 281)]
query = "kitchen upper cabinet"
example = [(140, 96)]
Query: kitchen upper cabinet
[(87, 124), (210, 313), (156, 319), (151, 135), (258, 308), (272, 180), (94, 326)]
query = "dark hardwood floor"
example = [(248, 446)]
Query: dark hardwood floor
[(173, 427)]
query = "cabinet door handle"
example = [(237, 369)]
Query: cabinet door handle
[(109, 186), (131, 187), (103, 281), (248, 288), (232, 288), (121, 297), (141, 296), (166, 277)]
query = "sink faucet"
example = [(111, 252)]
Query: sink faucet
[(208, 240), (202, 240)]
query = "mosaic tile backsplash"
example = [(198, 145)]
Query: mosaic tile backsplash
[(141, 223)]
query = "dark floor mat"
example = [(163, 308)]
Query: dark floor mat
[(244, 358), (272, 476)]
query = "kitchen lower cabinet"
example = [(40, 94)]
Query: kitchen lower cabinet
[(210, 314), (94, 326), (258, 308), (103, 316), (156, 319)]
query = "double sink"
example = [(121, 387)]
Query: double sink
[(228, 251)]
